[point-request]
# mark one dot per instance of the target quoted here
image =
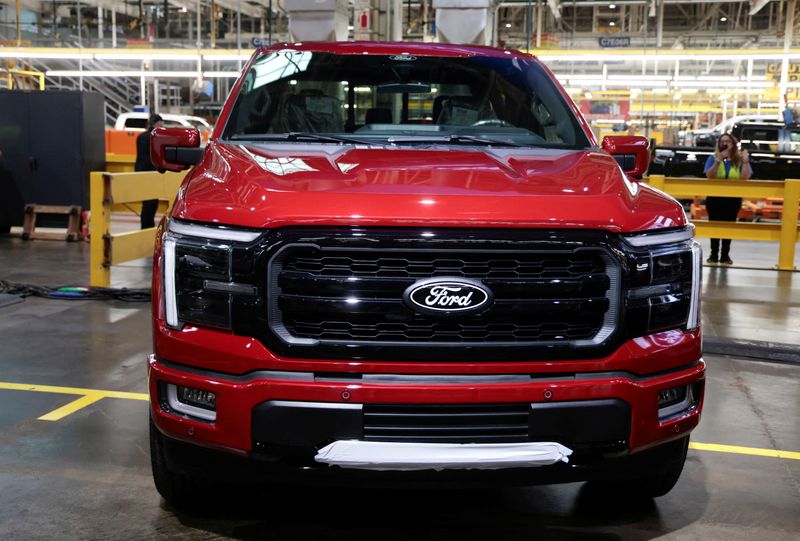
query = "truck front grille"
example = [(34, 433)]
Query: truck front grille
[(546, 295)]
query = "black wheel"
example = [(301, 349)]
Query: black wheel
[(660, 471), (178, 489)]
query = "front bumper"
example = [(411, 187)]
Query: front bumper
[(589, 402)]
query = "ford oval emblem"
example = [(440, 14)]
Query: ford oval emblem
[(446, 296)]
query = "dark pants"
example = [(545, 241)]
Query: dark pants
[(148, 215), (724, 209)]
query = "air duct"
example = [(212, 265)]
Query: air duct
[(317, 20), (464, 21)]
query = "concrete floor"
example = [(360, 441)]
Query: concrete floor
[(87, 475)]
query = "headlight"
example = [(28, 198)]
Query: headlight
[(664, 286), (198, 279)]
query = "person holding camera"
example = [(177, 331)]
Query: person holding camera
[(728, 162)]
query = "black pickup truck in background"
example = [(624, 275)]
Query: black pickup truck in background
[(774, 153)]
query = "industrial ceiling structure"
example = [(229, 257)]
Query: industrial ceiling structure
[(667, 61)]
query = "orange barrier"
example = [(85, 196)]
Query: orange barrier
[(121, 141)]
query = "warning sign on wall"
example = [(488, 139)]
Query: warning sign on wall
[(362, 22)]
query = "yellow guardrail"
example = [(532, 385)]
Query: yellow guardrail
[(785, 232), (11, 72), (109, 191), (126, 190)]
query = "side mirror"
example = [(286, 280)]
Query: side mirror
[(631, 151), (175, 149)]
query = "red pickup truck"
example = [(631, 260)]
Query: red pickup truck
[(413, 263)]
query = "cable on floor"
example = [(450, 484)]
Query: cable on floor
[(75, 292)]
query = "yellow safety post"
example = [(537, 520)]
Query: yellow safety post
[(789, 236), (100, 228)]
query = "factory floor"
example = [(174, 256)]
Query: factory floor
[(83, 471)]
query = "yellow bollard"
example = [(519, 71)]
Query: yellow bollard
[(791, 202), (100, 227)]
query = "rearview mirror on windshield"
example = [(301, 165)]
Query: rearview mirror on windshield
[(404, 88)]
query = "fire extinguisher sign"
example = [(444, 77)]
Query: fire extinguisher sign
[(363, 20)]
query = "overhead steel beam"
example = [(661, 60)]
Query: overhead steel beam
[(555, 8)]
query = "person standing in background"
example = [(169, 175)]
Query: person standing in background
[(143, 163), (728, 162)]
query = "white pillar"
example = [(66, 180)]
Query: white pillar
[(114, 28), (749, 78), (143, 88), (156, 97), (787, 43), (199, 9), (424, 5), (78, 10), (397, 21), (100, 22), (239, 33), (539, 24)]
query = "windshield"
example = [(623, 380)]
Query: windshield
[(402, 99)]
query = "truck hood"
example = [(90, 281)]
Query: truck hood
[(275, 185)]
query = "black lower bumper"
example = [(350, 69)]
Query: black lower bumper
[(287, 435), (255, 470)]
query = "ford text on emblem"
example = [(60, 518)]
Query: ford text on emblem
[(443, 296)]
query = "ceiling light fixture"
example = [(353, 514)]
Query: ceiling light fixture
[(121, 73)]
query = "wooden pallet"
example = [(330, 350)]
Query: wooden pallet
[(72, 233)]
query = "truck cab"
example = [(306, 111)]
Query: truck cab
[(413, 263)]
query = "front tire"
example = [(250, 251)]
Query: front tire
[(180, 490), (659, 473)]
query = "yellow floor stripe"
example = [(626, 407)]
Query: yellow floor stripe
[(739, 450), (72, 390), (72, 407)]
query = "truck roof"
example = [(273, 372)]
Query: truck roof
[(398, 48)]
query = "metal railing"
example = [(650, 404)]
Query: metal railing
[(785, 232), (109, 191)]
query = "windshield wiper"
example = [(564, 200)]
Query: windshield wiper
[(298, 136), (455, 138), (464, 138)]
